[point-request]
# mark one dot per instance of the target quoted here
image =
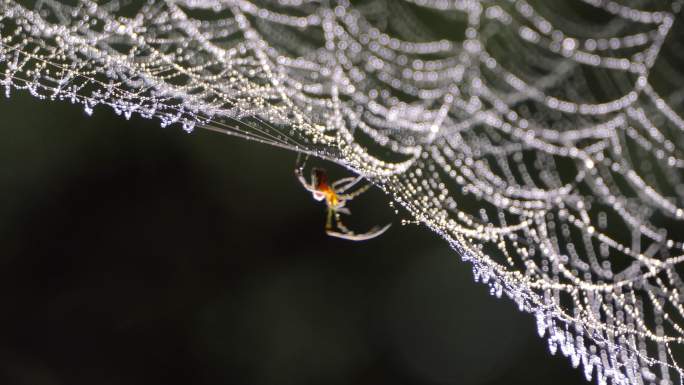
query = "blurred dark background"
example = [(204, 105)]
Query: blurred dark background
[(133, 254)]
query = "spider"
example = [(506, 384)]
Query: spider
[(336, 196)]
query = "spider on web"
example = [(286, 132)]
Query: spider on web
[(336, 195)]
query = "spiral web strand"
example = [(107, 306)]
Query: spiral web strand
[(543, 139)]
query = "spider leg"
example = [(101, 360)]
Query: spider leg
[(342, 185), (343, 232), (329, 220), (354, 194), (301, 160), (299, 172), (374, 232), (347, 234), (341, 225)]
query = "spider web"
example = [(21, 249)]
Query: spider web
[(542, 139)]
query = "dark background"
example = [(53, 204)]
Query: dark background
[(133, 254)]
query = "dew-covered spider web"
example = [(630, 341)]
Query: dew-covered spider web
[(544, 140)]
